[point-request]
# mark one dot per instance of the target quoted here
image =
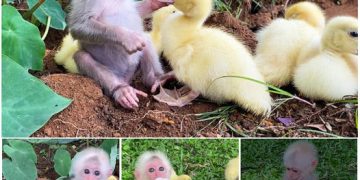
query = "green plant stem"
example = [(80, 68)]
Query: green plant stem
[(47, 28), (28, 14)]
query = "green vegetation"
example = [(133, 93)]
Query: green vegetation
[(262, 159), (27, 102), (20, 159), (198, 158)]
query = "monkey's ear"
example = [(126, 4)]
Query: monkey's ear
[(314, 164)]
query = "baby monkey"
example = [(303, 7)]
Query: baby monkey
[(113, 44), (300, 161), (154, 165), (90, 164)]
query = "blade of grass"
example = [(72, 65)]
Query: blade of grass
[(320, 132)]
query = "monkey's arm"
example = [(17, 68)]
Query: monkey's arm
[(92, 30), (146, 7)]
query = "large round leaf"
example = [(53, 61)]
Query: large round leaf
[(21, 40), (62, 160), (27, 103), (22, 163), (50, 8), (19, 147)]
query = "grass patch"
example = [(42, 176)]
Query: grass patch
[(262, 159), (198, 158)]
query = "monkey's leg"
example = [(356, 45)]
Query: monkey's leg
[(122, 92), (150, 65)]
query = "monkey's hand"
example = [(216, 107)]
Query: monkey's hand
[(157, 4), (132, 41), (126, 96)]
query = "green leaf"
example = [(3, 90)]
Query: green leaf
[(22, 163), (21, 40), (27, 103), (107, 144), (114, 156), (19, 147), (62, 160), (20, 169), (50, 8), (10, 1), (51, 141)]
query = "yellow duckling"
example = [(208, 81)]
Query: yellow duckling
[(181, 177), (112, 178), (232, 169), (308, 12), (157, 18), (199, 55), (64, 56), (333, 73), (280, 43)]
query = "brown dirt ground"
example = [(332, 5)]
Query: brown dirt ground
[(92, 114)]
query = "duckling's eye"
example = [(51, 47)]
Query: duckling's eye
[(353, 34), (174, 12)]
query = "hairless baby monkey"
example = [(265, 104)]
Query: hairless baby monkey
[(113, 44)]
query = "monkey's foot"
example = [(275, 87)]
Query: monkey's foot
[(162, 80), (126, 96), (179, 98)]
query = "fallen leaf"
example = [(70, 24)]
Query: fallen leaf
[(320, 127), (286, 121)]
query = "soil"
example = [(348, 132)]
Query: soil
[(93, 114)]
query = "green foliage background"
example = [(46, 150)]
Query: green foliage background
[(198, 158), (262, 159)]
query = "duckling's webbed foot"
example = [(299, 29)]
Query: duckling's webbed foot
[(162, 80), (176, 97)]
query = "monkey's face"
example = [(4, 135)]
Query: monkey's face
[(92, 172), (157, 170), (293, 173)]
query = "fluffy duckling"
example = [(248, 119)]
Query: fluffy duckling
[(308, 12), (199, 55), (181, 177), (232, 169), (64, 56), (280, 43), (157, 18), (332, 74)]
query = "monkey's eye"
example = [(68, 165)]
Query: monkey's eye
[(295, 171), (353, 34), (97, 173), (161, 168), (87, 171), (151, 170)]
